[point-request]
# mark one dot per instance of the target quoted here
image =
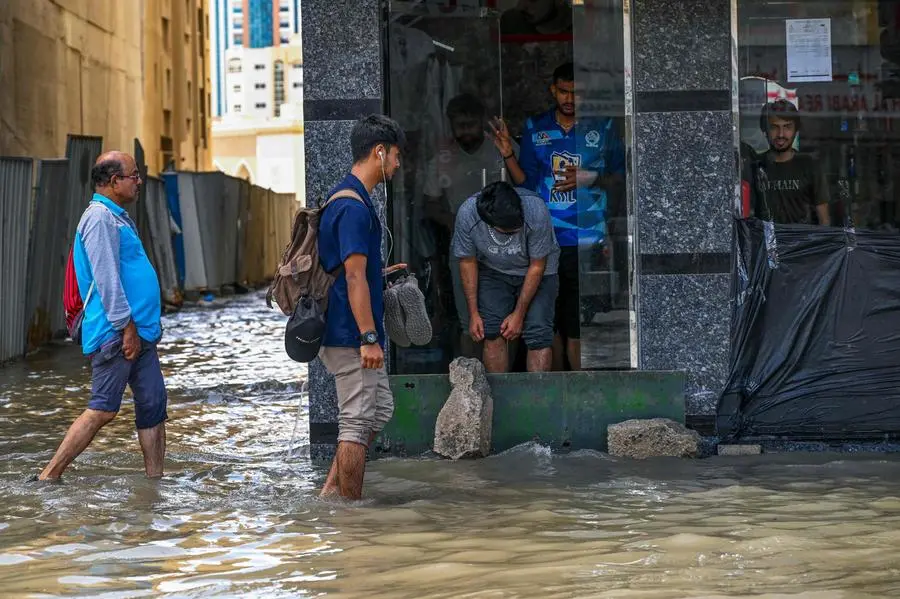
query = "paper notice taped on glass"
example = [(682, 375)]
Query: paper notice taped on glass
[(809, 50)]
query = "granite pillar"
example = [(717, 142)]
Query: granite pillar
[(342, 73), (685, 182)]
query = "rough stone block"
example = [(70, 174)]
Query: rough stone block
[(463, 428), (658, 437)]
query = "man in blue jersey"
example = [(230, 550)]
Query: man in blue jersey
[(571, 163)]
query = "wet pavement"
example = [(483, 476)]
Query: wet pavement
[(237, 515)]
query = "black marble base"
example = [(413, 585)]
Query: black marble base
[(685, 324)]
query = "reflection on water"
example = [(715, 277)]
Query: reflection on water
[(235, 518)]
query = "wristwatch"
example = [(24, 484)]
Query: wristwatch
[(368, 338)]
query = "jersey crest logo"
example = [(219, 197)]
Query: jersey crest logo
[(560, 161), (592, 139)]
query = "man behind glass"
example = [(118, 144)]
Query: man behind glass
[(572, 164), (458, 171), (789, 186)]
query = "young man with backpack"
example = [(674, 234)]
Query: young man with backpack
[(350, 236), (120, 322)]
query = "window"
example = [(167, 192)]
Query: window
[(297, 84), (234, 65), (166, 35), (285, 40), (285, 8), (259, 67), (832, 119), (237, 89), (279, 86), (259, 86), (260, 104), (285, 25), (238, 39), (237, 108), (297, 65)]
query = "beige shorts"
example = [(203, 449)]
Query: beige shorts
[(365, 401)]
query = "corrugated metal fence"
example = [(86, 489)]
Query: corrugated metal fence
[(15, 214), (232, 233), (48, 253), (159, 247)]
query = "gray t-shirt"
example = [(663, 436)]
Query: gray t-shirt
[(508, 254)]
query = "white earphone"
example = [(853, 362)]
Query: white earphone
[(383, 216)]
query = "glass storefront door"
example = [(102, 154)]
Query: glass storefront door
[(452, 66), (444, 82), (603, 209)]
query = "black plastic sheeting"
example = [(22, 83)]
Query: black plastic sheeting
[(815, 349)]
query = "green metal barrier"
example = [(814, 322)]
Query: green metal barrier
[(565, 410)]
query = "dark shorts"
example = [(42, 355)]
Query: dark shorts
[(111, 372), (568, 304), (497, 297)]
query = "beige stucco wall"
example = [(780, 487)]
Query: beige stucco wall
[(97, 67), (269, 154)]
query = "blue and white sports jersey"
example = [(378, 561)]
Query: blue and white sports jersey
[(579, 216)]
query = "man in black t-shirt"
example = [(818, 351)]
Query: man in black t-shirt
[(788, 186)]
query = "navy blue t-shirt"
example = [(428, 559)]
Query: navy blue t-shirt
[(348, 227)]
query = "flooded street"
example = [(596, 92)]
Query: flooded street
[(237, 516)]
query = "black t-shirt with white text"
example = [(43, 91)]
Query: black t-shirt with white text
[(789, 191)]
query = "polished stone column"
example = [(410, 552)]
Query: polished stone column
[(342, 81), (685, 185)]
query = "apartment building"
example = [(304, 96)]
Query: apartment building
[(247, 24)]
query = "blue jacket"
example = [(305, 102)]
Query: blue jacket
[(109, 255)]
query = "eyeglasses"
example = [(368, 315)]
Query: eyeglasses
[(134, 177)]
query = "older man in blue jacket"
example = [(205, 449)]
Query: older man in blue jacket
[(121, 324)]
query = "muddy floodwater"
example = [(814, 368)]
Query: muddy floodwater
[(236, 514)]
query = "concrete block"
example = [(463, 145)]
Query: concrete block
[(733, 450), (655, 437), (463, 428)]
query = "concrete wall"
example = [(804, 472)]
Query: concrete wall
[(98, 67), (68, 66)]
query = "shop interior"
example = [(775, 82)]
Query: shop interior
[(838, 62), (497, 57)]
